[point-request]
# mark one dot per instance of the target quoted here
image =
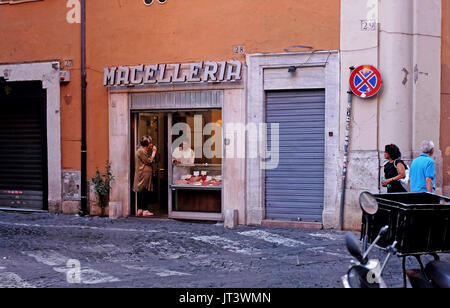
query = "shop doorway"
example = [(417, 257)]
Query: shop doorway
[(153, 124), (187, 171)]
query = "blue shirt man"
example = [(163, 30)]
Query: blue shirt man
[(422, 172)]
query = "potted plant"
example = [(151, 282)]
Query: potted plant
[(102, 186)]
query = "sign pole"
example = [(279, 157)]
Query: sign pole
[(365, 82), (346, 147)]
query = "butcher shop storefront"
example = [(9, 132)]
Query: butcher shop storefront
[(183, 108), (254, 143)]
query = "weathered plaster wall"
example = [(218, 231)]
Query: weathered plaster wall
[(358, 47), (405, 46), (38, 31)]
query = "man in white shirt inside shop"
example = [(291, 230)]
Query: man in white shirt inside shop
[(182, 155)]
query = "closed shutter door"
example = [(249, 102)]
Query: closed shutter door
[(295, 190), (23, 173)]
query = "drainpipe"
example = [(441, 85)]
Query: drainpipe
[(346, 146), (83, 210)]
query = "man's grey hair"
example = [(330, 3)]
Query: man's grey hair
[(427, 146)]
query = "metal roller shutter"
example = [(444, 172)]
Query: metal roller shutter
[(295, 190), (23, 164)]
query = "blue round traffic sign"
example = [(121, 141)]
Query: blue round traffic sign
[(365, 81)]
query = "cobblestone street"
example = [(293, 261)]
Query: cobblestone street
[(35, 250)]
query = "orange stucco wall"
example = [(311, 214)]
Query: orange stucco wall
[(38, 31), (445, 95), (126, 32)]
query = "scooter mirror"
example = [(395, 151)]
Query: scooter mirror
[(353, 246), (359, 278), (368, 203)]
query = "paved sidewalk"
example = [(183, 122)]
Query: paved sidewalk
[(35, 250)]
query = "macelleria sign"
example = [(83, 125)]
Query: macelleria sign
[(198, 72)]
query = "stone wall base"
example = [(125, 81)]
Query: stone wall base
[(71, 207), (55, 207), (292, 224)]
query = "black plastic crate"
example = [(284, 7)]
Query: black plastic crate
[(419, 222)]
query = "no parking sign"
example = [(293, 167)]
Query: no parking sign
[(365, 81)]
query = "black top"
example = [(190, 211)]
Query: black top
[(390, 171)]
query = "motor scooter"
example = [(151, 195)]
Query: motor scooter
[(367, 273)]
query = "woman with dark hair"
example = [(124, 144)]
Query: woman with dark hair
[(394, 169), (143, 175)]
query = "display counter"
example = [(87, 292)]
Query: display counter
[(197, 188)]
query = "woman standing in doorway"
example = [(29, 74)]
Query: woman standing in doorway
[(394, 169), (143, 175)]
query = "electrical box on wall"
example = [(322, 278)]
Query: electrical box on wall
[(71, 185), (64, 76)]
